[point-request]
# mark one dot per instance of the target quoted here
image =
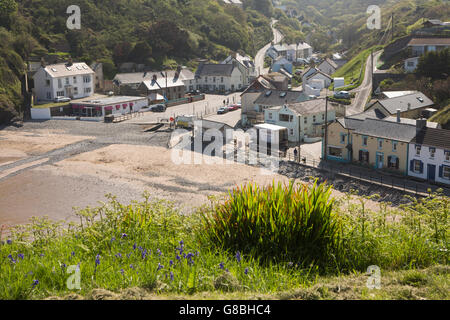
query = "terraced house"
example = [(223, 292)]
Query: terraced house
[(372, 142)]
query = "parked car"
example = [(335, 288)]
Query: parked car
[(222, 110), (342, 95), (233, 107), (62, 99), (158, 108), (110, 93)]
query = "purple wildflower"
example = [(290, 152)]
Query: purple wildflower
[(21, 256), (171, 276), (131, 266), (158, 252), (35, 283), (178, 257), (171, 262), (246, 271), (238, 257), (119, 255), (122, 271), (113, 239), (124, 235), (221, 265), (12, 259), (134, 246), (9, 241), (97, 260), (160, 266), (73, 253), (144, 254)]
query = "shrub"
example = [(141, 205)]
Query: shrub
[(277, 222)]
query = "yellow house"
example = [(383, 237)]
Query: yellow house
[(375, 143)]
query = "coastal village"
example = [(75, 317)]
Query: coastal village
[(387, 132)]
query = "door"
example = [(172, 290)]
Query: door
[(431, 172), (380, 159)]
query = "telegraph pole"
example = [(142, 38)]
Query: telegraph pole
[(325, 152)]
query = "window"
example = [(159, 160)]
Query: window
[(87, 79), (60, 93), (323, 117), (446, 172), (206, 79), (417, 166), (286, 118), (394, 145), (380, 144), (306, 120), (214, 79), (67, 81), (418, 148), (432, 152), (270, 115), (221, 79), (47, 83), (364, 141), (335, 152), (343, 138), (364, 156), (447, 155), (59, 83), (75, 90), (393, 162), (87, 90), (49, 95), (74, 79), (291, 132), (314, 119)]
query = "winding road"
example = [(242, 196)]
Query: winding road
[(364, 91), (259, 58)]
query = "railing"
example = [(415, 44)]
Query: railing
[(383, 179)]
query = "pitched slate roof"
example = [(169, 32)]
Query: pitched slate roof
[(138, 77), (331, 62), (319, 72), (209, 69), (160, 83), (310, 107), (278, 97), (66, 70), (429, 42), (406, 102), (432, 137)]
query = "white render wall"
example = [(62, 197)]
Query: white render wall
[(41, 89), (439, 159)]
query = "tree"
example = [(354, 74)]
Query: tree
[(140, 53), (7, 9), (121, 52), (435, 65)]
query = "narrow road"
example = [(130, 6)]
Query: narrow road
[(365, 89), (259, 58)]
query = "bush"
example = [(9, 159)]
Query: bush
[(276, 223)]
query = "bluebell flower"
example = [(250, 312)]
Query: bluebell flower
[(131, 266), (171, 262), (134, 246), (238, 257), (113, 239), (246, 271), (189, 255), (122, 271), (144, 254), (158, 252), (181, 243), (128, 255), (73, 253), (171, 276), (42, 255), (9, 241), (290, 264), (221, 265), (185, 255), (178, 257), (21, 256), (140, 248), (35, 283), (97, 260), (197, 253), (119, 255), (160, 266), (12, 259), (63, 265), (227, 270)]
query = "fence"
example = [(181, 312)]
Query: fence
[(371, 176)]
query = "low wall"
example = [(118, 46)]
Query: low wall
[(40, 114)]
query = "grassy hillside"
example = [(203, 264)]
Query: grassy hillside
[(443, 116)]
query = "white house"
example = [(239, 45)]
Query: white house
[(328, 66), (411, 64), (318, 80), (117, 105), (73, 80), (429, 154), (420, 46), (303, 119), (219, 77), (245, 65), (339, 82)]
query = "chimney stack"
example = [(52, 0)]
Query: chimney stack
[(398, 115), (420, 124), (70, 62), (42, 62)]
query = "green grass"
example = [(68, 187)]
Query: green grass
[(354, 71), (150, 246), (50, 105), (442, 117)]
